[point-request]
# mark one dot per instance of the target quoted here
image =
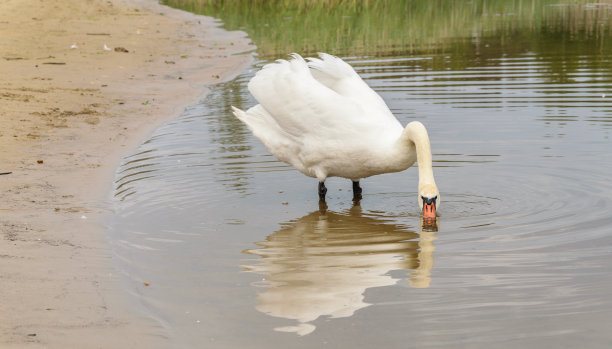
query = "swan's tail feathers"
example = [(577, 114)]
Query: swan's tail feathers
[(329, 69), (240, 114), (256, 118), (265, 128)]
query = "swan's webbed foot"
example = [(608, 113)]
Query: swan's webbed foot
[(322, 191), (356, 192)]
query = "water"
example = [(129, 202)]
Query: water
[(237, 254)]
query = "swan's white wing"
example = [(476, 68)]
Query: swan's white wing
[(339, 76), (306, 108), (281, 144), (319, 131)]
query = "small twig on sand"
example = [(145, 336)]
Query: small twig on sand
[(5, 173), (98, 34)]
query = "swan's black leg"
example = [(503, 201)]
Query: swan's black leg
[(322, 207), (356, 192), (322, 191)]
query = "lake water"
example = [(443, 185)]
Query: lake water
[(237, 254)]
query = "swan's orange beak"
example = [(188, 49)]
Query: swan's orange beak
[(429, 207), (429, 210)]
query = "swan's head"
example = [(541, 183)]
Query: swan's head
[(429, 200)]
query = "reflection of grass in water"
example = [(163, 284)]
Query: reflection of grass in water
[(387, 26)]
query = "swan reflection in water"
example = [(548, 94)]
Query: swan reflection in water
[(322, 264)]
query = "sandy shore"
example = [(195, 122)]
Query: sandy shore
[(69, 110)]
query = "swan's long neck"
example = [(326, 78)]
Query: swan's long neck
[(416, 134)]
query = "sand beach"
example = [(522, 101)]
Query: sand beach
[(81, 84)]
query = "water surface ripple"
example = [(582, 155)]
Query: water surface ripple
[(236, 252)]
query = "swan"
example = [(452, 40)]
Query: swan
[(319, 116)]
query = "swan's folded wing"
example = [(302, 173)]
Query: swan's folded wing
[(340, 77), (304, 107)]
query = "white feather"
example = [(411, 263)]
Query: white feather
[(321, 117)]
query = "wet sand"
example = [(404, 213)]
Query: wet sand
[(81, 84)]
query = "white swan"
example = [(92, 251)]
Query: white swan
[(322, 118)]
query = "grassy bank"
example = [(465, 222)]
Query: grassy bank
[(388, 26)]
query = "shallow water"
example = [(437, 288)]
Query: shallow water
[(237, 253)]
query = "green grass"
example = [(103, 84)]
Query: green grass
[(351, 27)]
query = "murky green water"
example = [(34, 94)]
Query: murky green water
[(237, 254)]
